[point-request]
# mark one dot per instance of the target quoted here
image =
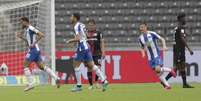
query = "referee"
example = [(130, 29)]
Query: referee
[(96, 42), (179, 49)]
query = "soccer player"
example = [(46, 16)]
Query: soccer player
[(83, 53), (148, 42), (179, 49), (96, 42), (33, 36)]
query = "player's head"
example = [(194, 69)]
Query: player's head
[(75, 17), (181, 18), (24, 21), (91, 25), (143, 27)]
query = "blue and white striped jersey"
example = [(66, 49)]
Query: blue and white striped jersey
[(80, 29), (31, 36), (149, 41)]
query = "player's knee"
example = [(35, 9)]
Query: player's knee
[(41, 66), (182, 69), (76, 69), (89, 69), (91, 64), (157, 69), (181, 66), (85, 64), (76, 63), (26, 64)]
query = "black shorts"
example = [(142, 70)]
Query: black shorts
[(179, 55), (97, 60)]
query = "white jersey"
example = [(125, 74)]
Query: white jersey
[(149, 41), (30, 33), (80, 29)]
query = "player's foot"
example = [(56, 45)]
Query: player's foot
[(162, 84), (91, 87), (187, 86), (173, 73), (58, 83), (105, 84), (28, 88), (167, 87), (76, 88)]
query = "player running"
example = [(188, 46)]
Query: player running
[(179, 49), (96, 42), (83, 53), (33, 36), (148, 42)]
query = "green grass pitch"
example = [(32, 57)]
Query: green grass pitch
[(115, 92)]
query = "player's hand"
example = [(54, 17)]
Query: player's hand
[(68, 42), (191, 52), (165, 48), (143, 55), (18, 34)]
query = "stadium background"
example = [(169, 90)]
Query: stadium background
[(118, 19)]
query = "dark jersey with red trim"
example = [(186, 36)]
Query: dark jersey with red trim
[(95, 38)]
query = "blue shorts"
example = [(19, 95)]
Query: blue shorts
[(83, 56), (33, 55), (155, 62)]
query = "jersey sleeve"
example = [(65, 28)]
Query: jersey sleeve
[(34, 29), (77, 29), (140, 42), (155, 35)]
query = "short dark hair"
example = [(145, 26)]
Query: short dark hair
[(180, 16), (143, 23), (77, 16), (91, 21), (24, 19)]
